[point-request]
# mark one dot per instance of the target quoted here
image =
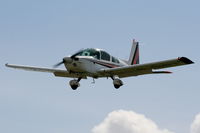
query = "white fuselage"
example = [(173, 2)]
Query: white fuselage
[(90, 66)]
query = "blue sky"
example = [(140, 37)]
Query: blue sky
[(41, 33)]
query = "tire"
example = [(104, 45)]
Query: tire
[(74, 87), (116, 86)]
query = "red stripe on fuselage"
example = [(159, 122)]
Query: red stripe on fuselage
[(103, 63), (106, 64)]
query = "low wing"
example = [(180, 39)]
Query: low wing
[(56, 72), (141, 69)]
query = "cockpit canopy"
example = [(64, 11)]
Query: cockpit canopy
[(89, 52), (97, 54)]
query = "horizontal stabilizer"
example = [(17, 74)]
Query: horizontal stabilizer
[(161, 72)]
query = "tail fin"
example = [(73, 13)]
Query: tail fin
[(134, 55)]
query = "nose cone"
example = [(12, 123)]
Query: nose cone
[(67, 60)]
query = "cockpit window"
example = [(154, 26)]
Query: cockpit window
[(115, 60), (105, 56), (89, 52)]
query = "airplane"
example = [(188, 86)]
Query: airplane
[(97, 63)]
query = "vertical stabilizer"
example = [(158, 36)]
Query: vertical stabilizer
[(134, 55)]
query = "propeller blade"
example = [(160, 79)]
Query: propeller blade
[(78, 52), (65, 60), (58, 64)]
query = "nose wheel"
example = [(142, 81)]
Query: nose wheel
[(74, 83)]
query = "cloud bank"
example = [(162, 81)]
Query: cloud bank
[(122, 121), (195, 127), (128, 122)]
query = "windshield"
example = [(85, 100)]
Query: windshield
[(89, 52)]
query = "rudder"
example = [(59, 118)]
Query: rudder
[(134, 55)]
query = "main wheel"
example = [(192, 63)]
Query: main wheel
[(116, 86), (74, 87), (117, 83)]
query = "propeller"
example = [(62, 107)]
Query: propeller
[(66, 60)]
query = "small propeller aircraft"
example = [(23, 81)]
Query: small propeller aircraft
[(97, 63)]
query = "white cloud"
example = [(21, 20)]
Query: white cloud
[(195, 127), (128, 122)]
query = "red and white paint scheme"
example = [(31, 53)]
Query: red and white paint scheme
[(97, 63)]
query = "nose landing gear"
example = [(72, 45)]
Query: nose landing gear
[(74, 83)]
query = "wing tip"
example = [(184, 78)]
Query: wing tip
[(185, 60), (7, 65)]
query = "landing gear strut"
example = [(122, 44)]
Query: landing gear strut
[(74, 83), (117, 82)]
